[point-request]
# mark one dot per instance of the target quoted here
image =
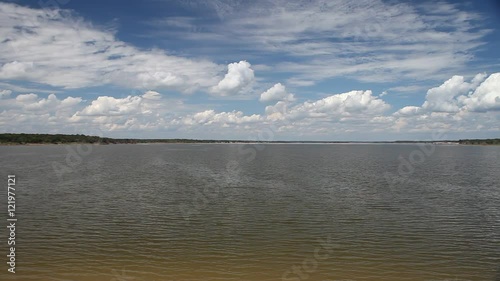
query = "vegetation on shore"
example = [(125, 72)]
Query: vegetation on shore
[(79, 138), (480, 141)]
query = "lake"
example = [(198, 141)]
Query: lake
[(254, 212)]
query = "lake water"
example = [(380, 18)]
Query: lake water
[(239, 212)]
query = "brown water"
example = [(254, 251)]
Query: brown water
[(212, 212)]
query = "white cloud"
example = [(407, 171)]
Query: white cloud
[(456, 106), (55, 47), (32, 103), (347, 115), (105, 106), (152, 95), (457, 95), (5, 93), (405, 88), (209, 117), (408, 111), (43, 104), (469, 124), (346, 104), (31, 113), (300, 82), (277, 111), (478, 79), (70, 102), (239, 76), (148, 112), (443, 98), (275, 93), (14, 70), (486, 97), (22, 89), (26, 98), (347, 111), (51, 114), (367, 40)]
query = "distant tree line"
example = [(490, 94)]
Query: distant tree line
[(79, 138), (50, 138), (480, 141)]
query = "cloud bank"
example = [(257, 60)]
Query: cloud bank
[(457, 105)]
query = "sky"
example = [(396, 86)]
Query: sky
[(251, 70)]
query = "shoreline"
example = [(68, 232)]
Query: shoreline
[(9, 139), (260, 143)]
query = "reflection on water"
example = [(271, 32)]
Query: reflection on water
[(295, 212)]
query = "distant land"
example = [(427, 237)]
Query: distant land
[(20, 139)]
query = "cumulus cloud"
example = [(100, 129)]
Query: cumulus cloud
[(148, 112), (26, 98), (239, 76), (478, 79), (51, 114), (33, 103), (277, 112), (486, 97), (443, 98), (275, 93), (346, 113), (456, 95), (104, 106), (353, 107), (209, 117), (456, 106), (31, 113), (346, 104), (408, 111)]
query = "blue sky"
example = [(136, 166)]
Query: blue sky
[(277, 70)]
